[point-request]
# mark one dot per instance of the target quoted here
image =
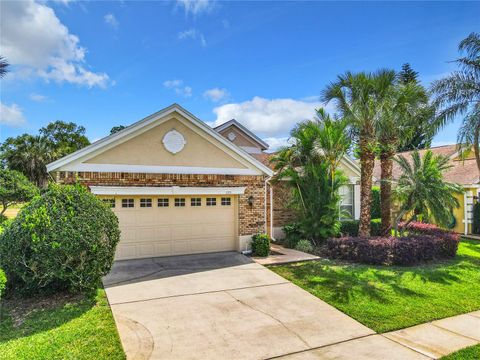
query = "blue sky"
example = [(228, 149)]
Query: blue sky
[(101, 64)]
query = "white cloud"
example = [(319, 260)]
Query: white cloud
[(111, 20), (11, 115), (277, 142), (216, 94), (38, 97), (267, 117), (34, 39), (178, 87), (193, 34), (196, 7)]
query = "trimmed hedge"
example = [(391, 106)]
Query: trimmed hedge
[(64, 239), (425, 242), (350, 227), (3, 282), (260, 245)]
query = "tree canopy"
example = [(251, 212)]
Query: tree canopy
[(14, 188)]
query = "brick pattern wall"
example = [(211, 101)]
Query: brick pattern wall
[(251, 219), (282, 195)]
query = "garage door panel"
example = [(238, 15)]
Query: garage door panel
[(163, 231)]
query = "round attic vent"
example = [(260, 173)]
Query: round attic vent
[(173, 141)]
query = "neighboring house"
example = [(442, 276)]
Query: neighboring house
[(464, 171), (180, 187)]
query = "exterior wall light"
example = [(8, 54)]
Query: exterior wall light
[(250, 200)]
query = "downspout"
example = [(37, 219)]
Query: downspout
[(265, 207)]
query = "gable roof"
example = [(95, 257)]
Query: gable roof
[(247, 132), (463, 172), (134, 129)]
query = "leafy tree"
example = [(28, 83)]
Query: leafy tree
[(422, 192), (4, 65), (358, 99), (459, 94), (116, 129), (14, 188), (64, 137), (398, 115), (407, 75), (29, 155)]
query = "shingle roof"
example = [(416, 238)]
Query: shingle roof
[(463, 172)]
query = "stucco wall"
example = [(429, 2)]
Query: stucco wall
[(148, 149)]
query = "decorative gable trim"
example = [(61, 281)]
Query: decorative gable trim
[(75, 159), (242, 128)]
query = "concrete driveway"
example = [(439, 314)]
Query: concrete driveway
[(222, 306)]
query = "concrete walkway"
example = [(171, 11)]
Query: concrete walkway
[(225, 306), (282, 255)]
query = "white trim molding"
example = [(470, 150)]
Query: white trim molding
[(167, 190), (154, 169)]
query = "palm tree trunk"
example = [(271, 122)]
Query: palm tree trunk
[(386, 164), (476, 140), (367, 161)]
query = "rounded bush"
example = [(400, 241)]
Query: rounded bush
[(260, 245), (305, 246), (3, 282), (293, 235), (64, 239)]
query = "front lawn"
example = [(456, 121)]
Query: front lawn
[(59, 327), (389, 298), (470, 353)]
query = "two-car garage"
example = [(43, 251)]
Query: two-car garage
[(153, 222)]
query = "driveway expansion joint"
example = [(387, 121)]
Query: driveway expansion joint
[(197, 293)]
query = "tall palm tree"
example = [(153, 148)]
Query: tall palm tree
[(3, 66), (459, 93), (358, 99), (422, 191), (400, 110)]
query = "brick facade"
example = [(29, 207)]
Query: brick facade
[(282, 195), (251, 219)]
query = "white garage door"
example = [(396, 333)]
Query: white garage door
[(174, 225)]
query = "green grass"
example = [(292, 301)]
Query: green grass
[(470, 353), (82, 328), (389, 298)]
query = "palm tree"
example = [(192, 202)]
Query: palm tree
[(308, 169), (358, 99), (3, 66), (29, 155), (400, 110), (422, 191), (459, 93)]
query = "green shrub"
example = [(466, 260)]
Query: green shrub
[(375, 209), (476, 218), (305, 246), (260, 245), (293, 235), (350, 227), (3, 218), (3, 282), (64, 239)]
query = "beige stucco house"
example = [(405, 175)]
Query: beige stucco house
[(179, 186)]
